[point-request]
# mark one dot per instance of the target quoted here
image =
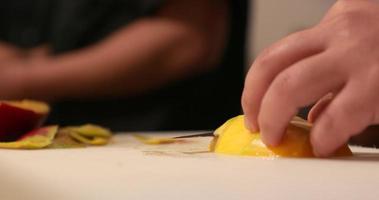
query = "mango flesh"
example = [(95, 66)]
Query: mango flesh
[(154, 141), (20, 117), (234, 139), (32, 105)]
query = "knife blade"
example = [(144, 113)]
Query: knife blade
[(207, 134)]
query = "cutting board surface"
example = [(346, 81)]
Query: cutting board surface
[(127, 169)]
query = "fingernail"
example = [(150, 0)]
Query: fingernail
[(265, 140), (250, 126), (269, 142)]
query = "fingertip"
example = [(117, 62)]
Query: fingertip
[(325, 141), (251, 125), (324, 152), (320, 153), (269, 140), (320, 147), (272, 127), (249, 115)]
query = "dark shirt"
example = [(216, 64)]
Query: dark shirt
[(67, 24), (201, 102)]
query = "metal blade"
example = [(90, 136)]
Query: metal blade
[(208, 134)]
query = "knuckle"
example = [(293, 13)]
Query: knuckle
[(284, 85), (270, 54), (300, 35), (346, 120), (345, 24), (264, 59), (261, 69), (343, 6), (345, 110), (348, 19), (340, 5)]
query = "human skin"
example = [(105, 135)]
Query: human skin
[(8, 52), (335, 62), (182, 39)]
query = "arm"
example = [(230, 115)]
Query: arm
[(9, 52), (184, 38), (336, 61)]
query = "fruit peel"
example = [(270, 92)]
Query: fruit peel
[(20, 123), (234, 139), (20, 117), (36, 139)]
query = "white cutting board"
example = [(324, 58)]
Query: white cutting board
[(129, 170)]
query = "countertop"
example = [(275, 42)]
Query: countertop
[(127, 169)]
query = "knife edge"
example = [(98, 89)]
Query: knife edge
[(207, 134)]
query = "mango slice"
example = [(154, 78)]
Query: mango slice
[(20, 117), (36, 139), (154, 141), (234, 139), (20, 123), (89, 134), (32, 105), (63, 140)]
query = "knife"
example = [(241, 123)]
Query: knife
[(207, 134)]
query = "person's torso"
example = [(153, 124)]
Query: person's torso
[(201, 102)]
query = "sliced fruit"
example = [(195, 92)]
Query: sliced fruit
[(36, 139), (89, 134), (91, 130), (20, 117), (155, 141), (64, 140), (89, 140), (233, 138)]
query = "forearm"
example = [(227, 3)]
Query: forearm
[(131, 61), (9, 52), (142, 56)]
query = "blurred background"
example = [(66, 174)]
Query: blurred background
[(272, 20), (141, 64)]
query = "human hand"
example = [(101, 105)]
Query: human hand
[(339, 56), (9, 52)]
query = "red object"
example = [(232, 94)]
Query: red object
[(15, 121)]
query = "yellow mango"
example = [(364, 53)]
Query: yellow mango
[(233, 138), (154, 141), (89, 134)]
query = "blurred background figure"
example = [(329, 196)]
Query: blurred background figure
[(126, 64)]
